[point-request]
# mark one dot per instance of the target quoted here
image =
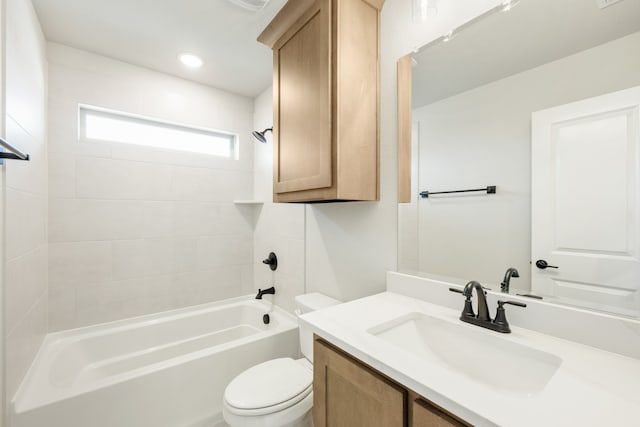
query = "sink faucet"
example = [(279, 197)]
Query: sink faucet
[(499, 324), (483, 309), (268, 291), (511, 272)]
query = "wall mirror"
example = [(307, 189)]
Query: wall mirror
[(541, 99)]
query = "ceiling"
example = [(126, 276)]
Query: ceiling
[(151, 34), (533, 33)]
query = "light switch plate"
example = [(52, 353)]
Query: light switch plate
[(606, 3)]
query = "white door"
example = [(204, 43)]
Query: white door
[(585, 197)]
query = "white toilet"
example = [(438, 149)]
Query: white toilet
[(277, 393)]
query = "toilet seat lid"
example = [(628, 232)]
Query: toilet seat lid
[(269, 384)]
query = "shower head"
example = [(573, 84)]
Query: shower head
[(260, 136)]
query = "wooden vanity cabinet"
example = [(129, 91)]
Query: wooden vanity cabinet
[(325, 100), (423, 413), (347, 393)]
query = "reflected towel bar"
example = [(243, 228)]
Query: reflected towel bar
[(490, 190), (15, 154)]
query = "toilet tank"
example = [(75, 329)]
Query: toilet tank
[(307, 303)]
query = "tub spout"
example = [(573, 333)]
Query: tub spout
[(269, 291)]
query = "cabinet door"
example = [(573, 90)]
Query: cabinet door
[(302, 103), (426, 414), (349, 394)]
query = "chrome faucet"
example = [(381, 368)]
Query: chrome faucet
[(511, 272), (499, 324)]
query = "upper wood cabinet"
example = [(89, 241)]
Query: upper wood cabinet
[(325, 100)]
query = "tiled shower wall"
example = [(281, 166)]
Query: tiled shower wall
[(279, 226), (25, 186), (135, 230)]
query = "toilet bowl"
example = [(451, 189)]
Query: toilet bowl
[(278, 392)]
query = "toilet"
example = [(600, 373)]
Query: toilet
[(278, 392)]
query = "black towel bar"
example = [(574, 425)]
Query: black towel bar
[(490, 190)]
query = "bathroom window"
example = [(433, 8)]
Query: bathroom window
[(101, 125)]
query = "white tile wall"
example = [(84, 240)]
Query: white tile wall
[(77, 263), (132, 229), (25, 188), (280, 229), (26, 283), (23, 342), (279, 226)]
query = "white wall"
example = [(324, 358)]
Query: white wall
[(3, 337), (25, 187), (483, 137), (350, 246), (135, 230), (279, 226)]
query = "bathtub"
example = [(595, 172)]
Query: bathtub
[(166, 369)]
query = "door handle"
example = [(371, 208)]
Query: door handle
[(542, 264)]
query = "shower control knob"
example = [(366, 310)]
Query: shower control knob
[(271, 261), (542, 264)]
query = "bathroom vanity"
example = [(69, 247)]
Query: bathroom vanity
[(403, 357), (348, 392)]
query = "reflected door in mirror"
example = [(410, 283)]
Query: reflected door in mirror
[(585, 200)]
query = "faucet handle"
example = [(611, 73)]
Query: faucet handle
[(501, 304), (501, 318), (271, 261), (467, 311), (460, 291)]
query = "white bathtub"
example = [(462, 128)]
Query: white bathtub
[(166, 369)]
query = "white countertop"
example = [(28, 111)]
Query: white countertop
[(592, 387)]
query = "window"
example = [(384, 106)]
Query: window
[(101, 125)]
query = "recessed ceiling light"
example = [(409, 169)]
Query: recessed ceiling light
[(190, 60)]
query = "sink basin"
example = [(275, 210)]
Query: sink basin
[(482, 356)]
